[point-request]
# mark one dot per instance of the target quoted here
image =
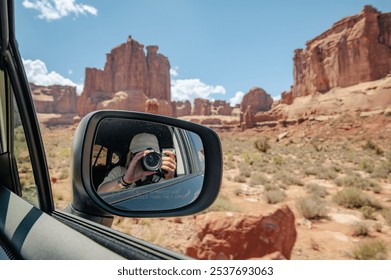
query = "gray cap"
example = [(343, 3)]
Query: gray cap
[(144, 141)]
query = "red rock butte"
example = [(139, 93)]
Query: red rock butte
[(355, 49), (128, 80)]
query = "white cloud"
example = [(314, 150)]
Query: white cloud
[(237, 99), (189, 89), (174, 71), (38, 74), (57, 9)]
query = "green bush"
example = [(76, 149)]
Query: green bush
[(355, 198), (360, 229), (262, 144), (317, 190), (240, 179), (289, 179), (312, 207), (274, 196), (368, 212), (222, 203), (369, 145), (371, 250), (258, 179), (386, 213), (357, 181)]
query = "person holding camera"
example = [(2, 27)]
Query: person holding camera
[(144, 165)]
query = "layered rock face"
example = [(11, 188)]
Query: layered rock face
[(54, 99), (128, 80), (356, 49)]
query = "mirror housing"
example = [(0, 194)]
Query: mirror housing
[(88, 203)]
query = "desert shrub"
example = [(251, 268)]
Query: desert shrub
[(278, 160), (240, 179), (367, 165), (378, 227), (360, 229), (386, 213), (317, 144), (229, 165), (367, 212), (262, 144), (321, 172), (326, 173), (274, 196), (317, 190), (222, 203), (245, 170), (289, 179), (369, 145), (250, 157), (357, 181), (310, 170), (382, 170), (311, 207), (355, 198), (258, 179), (371, 250), (64, 174)]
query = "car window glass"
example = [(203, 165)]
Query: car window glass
[(23, 162), (101, 155), (3, 116)]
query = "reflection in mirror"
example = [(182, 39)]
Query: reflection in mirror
[(139, 165)]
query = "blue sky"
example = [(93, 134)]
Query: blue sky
[(218, 49)]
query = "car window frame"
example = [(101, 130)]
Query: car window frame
[(19, 86)]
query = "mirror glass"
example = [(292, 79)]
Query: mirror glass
[(146, 166)]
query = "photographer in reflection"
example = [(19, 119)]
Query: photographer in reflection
[(144, 165)]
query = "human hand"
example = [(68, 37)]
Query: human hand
[(135, 171), (168, 164)]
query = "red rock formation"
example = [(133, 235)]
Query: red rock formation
[(286, 98), (152, 106), (258, 99), (356, 49), (128, 71), (54, 99), (181, 108), (240, 236), (202, 107), (159, 75), (221, 107), (248, 118)]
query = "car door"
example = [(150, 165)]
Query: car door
[(30, 227)]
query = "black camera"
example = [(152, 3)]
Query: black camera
[(152, 161)]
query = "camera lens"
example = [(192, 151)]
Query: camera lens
[(152, 161)]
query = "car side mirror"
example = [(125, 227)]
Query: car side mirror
[(104, 149)]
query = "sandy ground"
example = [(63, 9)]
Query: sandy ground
[(327, 238)]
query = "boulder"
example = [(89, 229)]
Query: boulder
[(238, 236)]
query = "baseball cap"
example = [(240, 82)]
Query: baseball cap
[(144, 141)]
